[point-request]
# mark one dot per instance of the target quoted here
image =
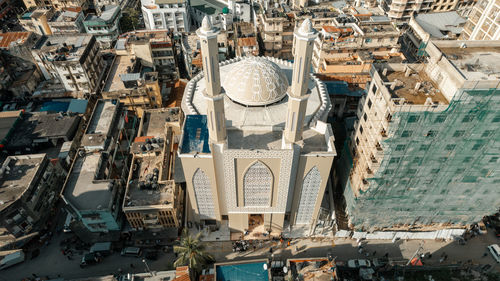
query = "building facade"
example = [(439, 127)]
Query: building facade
[(483, 22), (74, 60), (403, 9), (424, 148), (256, 171), (106, 26), (166, 14), (49, 21)]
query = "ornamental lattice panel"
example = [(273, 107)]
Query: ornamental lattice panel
[(203, 195), (257, 186), (308, 195)]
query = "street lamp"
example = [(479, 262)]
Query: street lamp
[(147, 267)]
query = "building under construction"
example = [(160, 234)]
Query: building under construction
[(425, 148)]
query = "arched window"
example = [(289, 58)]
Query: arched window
[(257, 186), (308, 196), (203, 195)]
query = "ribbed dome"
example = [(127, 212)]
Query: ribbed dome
[(255, 81)]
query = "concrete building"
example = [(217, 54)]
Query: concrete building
[(401, 10), (483, 22), (424, 27), (256, 157), (57, 4), (190, 45), (74, 60), (153, 201), (355, 42), (424, 149), (30, 185), (48, 21), (93, 191), (133, 84), (166, 14), (154, 49), (106, 26)]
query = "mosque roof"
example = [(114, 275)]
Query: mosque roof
[(255, 81)]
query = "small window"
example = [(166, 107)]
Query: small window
[(488, 133), (357, 141), (468, 118), (459, 133), (493, 159), (467, 159), (394, 160), (431, 133), (469, 179), (375, 88), (369, 103), (360, 129), (417, 160), (477, 146), (412, 171), (413, 119), (435, 171), (440, 119), (496, 119), (400, 147), (365, 117), (424, 147), (406, 134), (450, 147), (460, 170)]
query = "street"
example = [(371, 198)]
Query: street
[(52, 263)]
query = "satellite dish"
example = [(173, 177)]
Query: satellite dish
[(285, 269), (265, 266)]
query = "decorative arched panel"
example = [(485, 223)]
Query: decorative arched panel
[(203, 195), (308, 196), (257, 185)]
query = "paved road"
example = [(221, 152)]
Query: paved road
[(52, 263)]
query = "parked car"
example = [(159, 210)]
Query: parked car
[(359, 263), (89, 259), (495, 251), (101, 249), (131, 252)]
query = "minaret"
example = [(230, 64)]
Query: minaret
[(215, 100), (298, 93)]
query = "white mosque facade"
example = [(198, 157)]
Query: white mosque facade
[(255, 145)]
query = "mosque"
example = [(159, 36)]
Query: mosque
[(256, 150)]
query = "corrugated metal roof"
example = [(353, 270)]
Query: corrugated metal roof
[(130, 76), (9, 37)]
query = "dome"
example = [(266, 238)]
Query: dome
[(255, 81)]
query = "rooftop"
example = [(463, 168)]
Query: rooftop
[(121, 65), (108, 14), (438, 25), (16, 174), (145, 185), (7, 120), (312, 269), (209, 7), (85, 189), (63, 47), (154, 121), (195, 135), (476, 63), (405, 87), (101, 124), (9, 37), (246, 42)]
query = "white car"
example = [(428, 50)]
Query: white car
[(358, 263), (495, 251)]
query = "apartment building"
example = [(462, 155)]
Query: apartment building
[(276, 30), (425, 144), (166, 14), (74, 60), (154, 49), (57, 4), (355, 41), (30, 185), (48, 21), (105, 26), (462, 7), (153, 201), (93, 190), (483, 22), (401, 10)]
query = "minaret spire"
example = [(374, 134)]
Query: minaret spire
[(298, 93), (213, 92)]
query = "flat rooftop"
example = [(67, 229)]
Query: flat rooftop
[(195, 135), (102, 118), (63, 47), (312, 269), (107, 14), (16, 176), (405, 87), (209, 7), (83, 188), (7, 121), (145, 187), (475, 63), (9, 37), (121, 65), (154, 120)]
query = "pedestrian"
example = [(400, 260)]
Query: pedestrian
[(131, 265), (386, 255), (34, 275), (374, 252), (271, 250)]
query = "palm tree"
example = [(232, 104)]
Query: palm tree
[(191, 252)]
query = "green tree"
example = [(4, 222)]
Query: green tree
[(191, 252), (129, 20)]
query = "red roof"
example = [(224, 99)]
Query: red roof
[(334, 29), (9, 37)]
